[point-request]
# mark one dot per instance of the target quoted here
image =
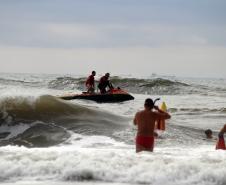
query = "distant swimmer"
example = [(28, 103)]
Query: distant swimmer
[(104, 83), (220, 142), (145, 121), (209, 134), (90, 83)]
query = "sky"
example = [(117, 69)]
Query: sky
[(128, 37)]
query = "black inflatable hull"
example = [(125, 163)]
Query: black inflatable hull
[(100, 98)]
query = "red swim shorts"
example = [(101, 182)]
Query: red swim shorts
[(145, 141)]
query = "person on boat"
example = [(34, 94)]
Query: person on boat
[(90, 83), (145, 122), (104, 83)]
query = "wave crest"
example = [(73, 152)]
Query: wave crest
[(133, 85), (50, 119)]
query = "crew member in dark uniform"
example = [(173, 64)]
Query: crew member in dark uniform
[(104, 82)]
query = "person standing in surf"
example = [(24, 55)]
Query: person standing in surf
[(145, 122), (221, 143), (104, 82), (90, 83), (222, 131)]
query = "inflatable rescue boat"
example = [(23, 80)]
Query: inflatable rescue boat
[(113, 95)]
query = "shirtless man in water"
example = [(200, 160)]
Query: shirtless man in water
[(145, 121)]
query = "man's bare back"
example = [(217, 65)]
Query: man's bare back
[(145, 121)]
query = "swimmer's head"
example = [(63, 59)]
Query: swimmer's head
[(208, 133)]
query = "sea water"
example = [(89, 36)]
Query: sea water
[(46, 140)]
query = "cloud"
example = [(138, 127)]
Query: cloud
[(112, 23), (73, 31), (74, 35), (124, 36)]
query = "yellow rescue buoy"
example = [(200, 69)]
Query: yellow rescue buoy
[(160, 124)]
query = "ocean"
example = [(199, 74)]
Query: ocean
[(46, 140)]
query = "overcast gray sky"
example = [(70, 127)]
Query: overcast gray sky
[(137, 37)]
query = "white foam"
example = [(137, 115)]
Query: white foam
[(94, 141), (165, 166), (13, 130)]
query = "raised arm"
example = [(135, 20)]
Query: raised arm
[(222, 131)]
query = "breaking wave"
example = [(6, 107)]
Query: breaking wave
[(47, 120), (4, 81), (133, 85), (197, 110), (67, 83), (154, 86), (186, 166)]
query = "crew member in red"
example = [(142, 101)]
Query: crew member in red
[(90, 83), (104, 83), (145, 121)]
